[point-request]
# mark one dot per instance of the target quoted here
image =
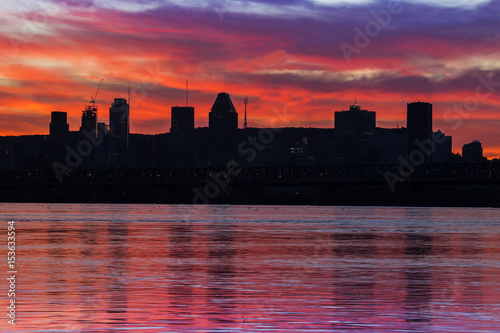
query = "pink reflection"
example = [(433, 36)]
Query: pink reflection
[(201, 269)]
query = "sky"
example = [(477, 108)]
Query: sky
[(303, 59)]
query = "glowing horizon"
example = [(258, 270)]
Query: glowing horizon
[(54, 55)]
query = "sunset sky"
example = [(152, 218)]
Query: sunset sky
[(308, 57)]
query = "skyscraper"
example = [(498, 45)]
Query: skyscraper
[(222, 123), (119, 120), (59, 126), (182, 118), (355, 122), (181, 146), (419, 124), (89, 121), (354, 131), (118, 134), (59, 131)]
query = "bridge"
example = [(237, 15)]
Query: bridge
[(275, 175), (451, 184)]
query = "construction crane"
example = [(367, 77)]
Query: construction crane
[(92, 99)]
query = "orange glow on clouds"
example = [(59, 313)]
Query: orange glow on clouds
[(276, 60)]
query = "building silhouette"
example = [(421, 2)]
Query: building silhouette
[(181, 145), (354, 135), (355, 140), (355, 121), (58, 134), (89, 121), (59, 126), (443, 148), (472, 152), (419, 125), (119, 121), (117, 138), (222, 124)]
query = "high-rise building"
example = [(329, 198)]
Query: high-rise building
[(223, 124), (473, 152), (355, 121), (354, 130), (118, 133), (119, 120), (89, 121), (181, 148), (90, 133), (59, 126), (59, 132), (419, 125), (182, 118)]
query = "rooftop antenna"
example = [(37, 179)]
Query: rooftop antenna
[(355, 101), (245, 101), (92, 99), (186, 92)]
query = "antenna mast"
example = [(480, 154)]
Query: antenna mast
[(129, 104), (245, 101), (186, 92)]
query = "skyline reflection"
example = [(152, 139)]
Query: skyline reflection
[(158, 268)]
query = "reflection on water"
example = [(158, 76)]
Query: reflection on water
[(151, 268)]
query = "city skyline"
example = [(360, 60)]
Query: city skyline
[(308, 56), (192, 110), (250, 165)]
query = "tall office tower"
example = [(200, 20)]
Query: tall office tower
[(59, 126), (354, 130), (182, 118), (119, 120), (118, 134), (222, 124), (355, 121), (419, 124), (473, 152), (181, 136), (59, 131)]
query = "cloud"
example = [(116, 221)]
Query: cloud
[(276, 52), (129, 6), (466, 4)]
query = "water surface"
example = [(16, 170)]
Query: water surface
[(169, 268)]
